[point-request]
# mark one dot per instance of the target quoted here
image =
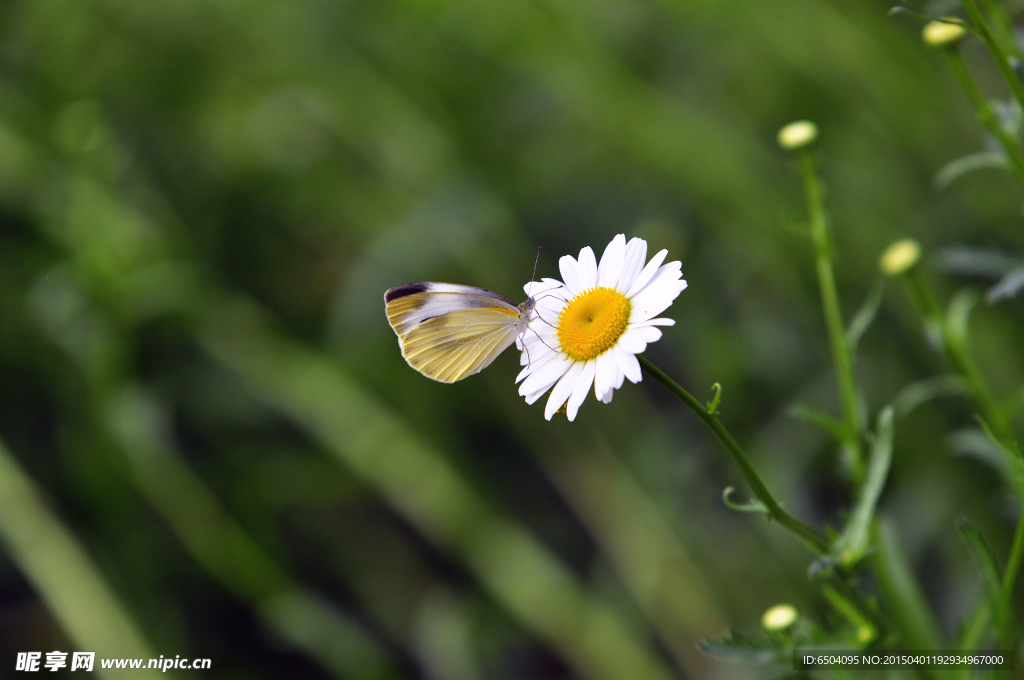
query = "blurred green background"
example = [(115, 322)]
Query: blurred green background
[(210, 445)]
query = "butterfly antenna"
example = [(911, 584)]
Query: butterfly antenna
[(533, 277)]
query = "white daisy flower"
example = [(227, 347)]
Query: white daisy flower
[(588, 329)]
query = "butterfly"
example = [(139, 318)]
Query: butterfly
[(448, 331)]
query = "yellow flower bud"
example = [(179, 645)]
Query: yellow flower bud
[(943, 34), (899, 257), (797, 135), (779, 618)]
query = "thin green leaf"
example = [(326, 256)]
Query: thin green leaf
[(959, 313), (736, 647), (1009, 114), (1014, 453), (902, 593), (833, 426), (713, 405), (983, 262), (1007, 287), (977, 444), (923, 391), (956, 169), (975, 629), (865, 315), (900, 9), (750, 506), (990, 571), (853, 543), (1013, 458)]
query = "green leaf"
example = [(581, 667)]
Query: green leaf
[(975, 630), (959, 313), (956, 169), (989, 568), (901, 593), (986, 560), (1009, 115), (837, 428), (923, 391), (853, 543), (1013, 458), (988, 263), (1007, 287), (713, 405), (750, 506), (976, 443), (736, 647), (863, 318)]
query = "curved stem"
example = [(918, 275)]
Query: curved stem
[(809, 536)]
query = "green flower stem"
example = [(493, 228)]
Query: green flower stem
[(998, 53), (809, 536), (957, 355), (833, 317), (986, 114), (1002, 26)]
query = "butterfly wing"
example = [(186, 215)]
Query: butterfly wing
[(448, 332)]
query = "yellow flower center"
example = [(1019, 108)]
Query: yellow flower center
[(592, 322)]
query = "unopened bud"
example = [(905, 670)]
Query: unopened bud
[(899, 257), (797, 135), (779, 618), (943, 34)]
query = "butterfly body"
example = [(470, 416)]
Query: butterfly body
[(448, 331)]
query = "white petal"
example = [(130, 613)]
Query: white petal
[(534, 389), (647, 274), (629, 365), (543, 376), (612, 375), (619, 374), (538, 338), (656, 297), (532, 397), (587, 268), (543, 288), (651, 303), (668, 274), (569, 268), (532, 359), (670, 271), (648, 334), (545, 317), (604, 375), (633, 263), (562, 390), (580, 389), (607, 398), (658, 322), (631, 342), (610, 269), (553, 297)]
